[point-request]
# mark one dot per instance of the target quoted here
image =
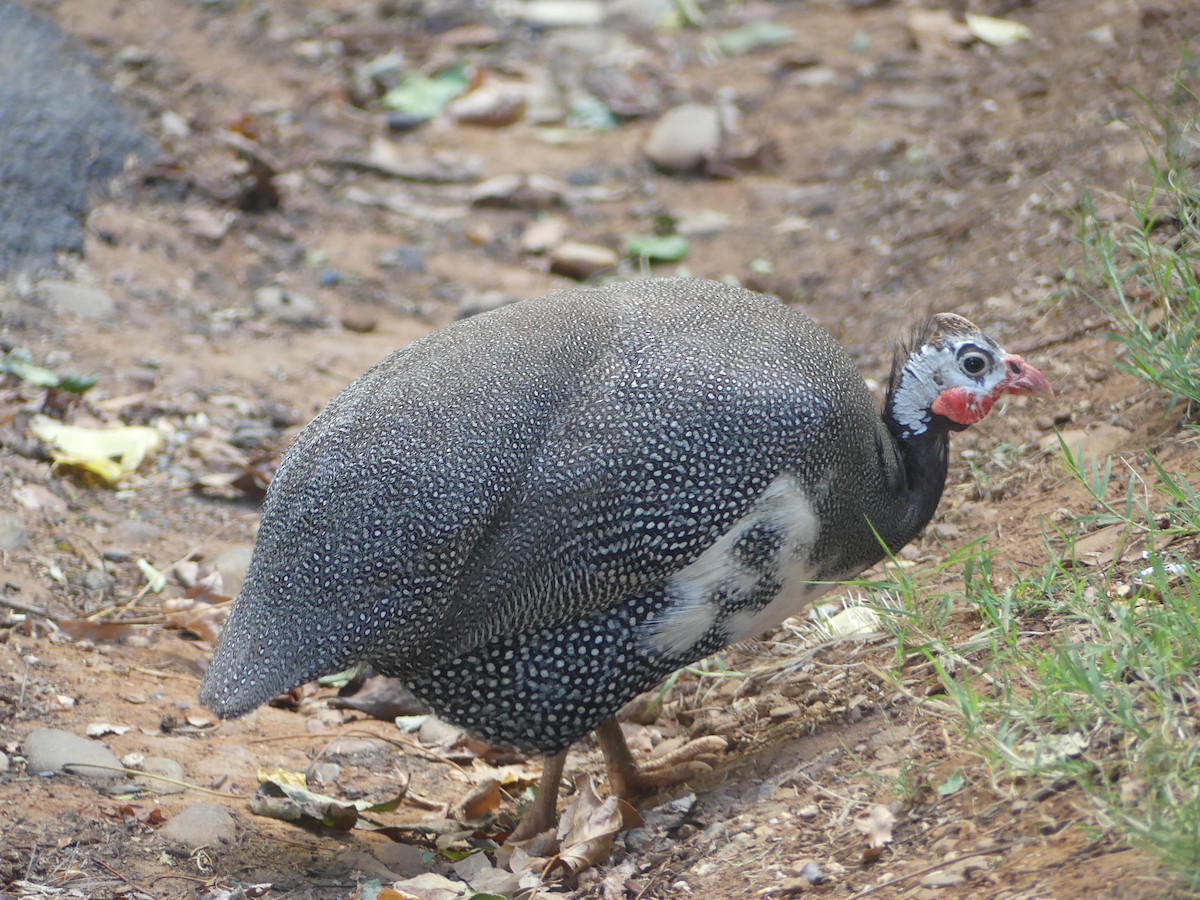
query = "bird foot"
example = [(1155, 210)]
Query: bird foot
[(627, 779), (542, 814)]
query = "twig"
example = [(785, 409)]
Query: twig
[(908, 876), (28, 610), (167, 779), (129, 881), (1065, 337)]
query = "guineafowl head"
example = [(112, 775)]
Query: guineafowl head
[(951, 375)]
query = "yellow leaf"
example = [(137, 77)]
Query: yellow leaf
[(283, 776), (997, 32), (108, 453)]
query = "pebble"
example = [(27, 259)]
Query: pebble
[(233, 566), (543, 234), (404, 257), (684, 138), (132, 534), (168, 768), (76, 299), (3, 762), (98, 580), (1099, 442), (202, 825), (290, 307), (323, 773), (51, 750), (13, 535), (562, 13), (579, 261)]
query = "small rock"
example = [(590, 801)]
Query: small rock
[(54, 750), (814, 77), (233, 566), (1099, 442), (203, 825), (944, 531), (324, 773), (167, 768), (562, 13), (3, 763), (543, 234), (98, 580), (36, 498), (76, 299), (359, 319), (494, 105), (132, 534), (290, 307), (580, 261), (943, 878), (404, 257), (404, 860), (685, 138), (13, 535)]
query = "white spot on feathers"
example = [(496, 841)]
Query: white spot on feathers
[(718, 578)]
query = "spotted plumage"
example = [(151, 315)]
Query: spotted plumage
[(534, 514)]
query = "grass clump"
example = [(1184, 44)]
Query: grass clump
[(1089, 669)]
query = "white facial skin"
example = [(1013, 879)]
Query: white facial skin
[(960, 379)]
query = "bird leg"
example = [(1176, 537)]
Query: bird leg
[(542, 814), (627, 780)]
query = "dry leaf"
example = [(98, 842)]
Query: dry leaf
[(107, 453), (90, 630), (482, 800), (587, 829), (877, 825), (997, 32)]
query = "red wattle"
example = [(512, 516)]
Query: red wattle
[(962, 406)]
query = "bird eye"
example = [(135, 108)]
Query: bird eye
[(974, 363)]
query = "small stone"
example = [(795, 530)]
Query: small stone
[(202, 825), (685, 138), (580, 261), (943, 878), (132, 534), (360, 319), (13, 535), (1099, 442), (404, 257), (76, 299), (290, 307), (54, 750), (562, 13), (97, 580), (167, 768), (543, 234), (3, 763), (233, 565), (323, 773)]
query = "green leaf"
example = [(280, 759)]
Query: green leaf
[(424, 96), (951, 785), (753, 36), (17, 363), (658, 248)]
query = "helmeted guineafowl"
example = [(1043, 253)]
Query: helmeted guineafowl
[(535, 514)]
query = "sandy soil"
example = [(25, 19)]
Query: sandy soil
[(901, 178)]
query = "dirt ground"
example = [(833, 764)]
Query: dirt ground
[(876, 174)]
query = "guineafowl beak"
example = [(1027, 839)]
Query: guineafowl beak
[(1024, 379)]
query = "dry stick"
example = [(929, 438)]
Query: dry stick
[(401, 742), (129, 881), (1065, 337), (28, 610), (908, 876), (187, 784)]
